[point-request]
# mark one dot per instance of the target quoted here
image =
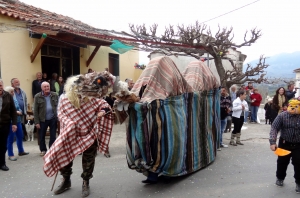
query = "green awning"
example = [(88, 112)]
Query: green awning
[(120, 47)]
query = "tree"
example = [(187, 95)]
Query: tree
[(191, 41)]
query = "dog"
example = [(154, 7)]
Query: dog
[(29, 128)]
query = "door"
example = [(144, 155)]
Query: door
[(114, 64)]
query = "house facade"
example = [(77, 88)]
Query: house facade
[(35, 40)]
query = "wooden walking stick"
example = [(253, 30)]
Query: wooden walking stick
[(54, 180)]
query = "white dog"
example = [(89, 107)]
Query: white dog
[(29, 129)]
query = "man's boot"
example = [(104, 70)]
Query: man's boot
[(232, 140), (63, 186), (238, 141), (85, 188)]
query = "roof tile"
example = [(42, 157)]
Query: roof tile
[(47, 20)]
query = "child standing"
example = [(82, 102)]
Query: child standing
[(268, 111)]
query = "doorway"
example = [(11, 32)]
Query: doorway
[(64, 61), (114, 64), (50, 65)]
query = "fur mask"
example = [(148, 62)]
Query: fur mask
[(84, 87), (124, 94), (294, 106)]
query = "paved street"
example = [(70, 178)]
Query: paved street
[(244, 171)]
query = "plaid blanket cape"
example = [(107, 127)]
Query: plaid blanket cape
[(78, 130)]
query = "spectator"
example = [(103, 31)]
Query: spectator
[(255, 103), (229, 117), (54, 86), (130, 83), (242, 87), (61, 84), (18, 134), (285, 107), (250, 87), (21, 97), (36, 84), (267, 109), (233, 93), (248, 100), (45, 77), (238, 107), (90, 70), (288, 125), (225, 104), (290, 93), (278, 101), (8, 117), (45, 115)]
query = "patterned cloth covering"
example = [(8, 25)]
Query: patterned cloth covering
[(163, 79), (79, 124), (199, 76), (176, 136), (173, 131)]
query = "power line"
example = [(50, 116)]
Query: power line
[(230, 11)]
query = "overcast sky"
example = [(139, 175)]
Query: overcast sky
[(278, 19)]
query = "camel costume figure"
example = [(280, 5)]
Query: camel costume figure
[(85, 126)]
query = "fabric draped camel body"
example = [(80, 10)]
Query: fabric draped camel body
[(174, 129)]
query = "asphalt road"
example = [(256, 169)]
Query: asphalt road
[(238, 172)]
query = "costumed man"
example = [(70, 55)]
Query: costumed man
[(85, 124), (288, 124)]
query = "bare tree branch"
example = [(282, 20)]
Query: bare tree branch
[(195, 40)]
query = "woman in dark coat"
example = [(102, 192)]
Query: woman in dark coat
[(278, 101)]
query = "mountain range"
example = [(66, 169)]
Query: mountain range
[(281, 65)]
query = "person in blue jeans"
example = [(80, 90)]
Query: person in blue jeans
[(18, 134), (255, 103), (225, 104)]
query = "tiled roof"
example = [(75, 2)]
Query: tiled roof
[(297, 70), (38, 19)]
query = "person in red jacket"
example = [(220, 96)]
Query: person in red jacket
[(255, 102)]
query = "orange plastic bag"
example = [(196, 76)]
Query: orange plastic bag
[(281, 152)]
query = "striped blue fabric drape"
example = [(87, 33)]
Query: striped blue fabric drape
[(175, 136)]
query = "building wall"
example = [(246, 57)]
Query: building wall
[(15, 51), (101, 60), (16, 47)]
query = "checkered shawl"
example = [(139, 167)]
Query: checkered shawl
[(163, 79), (79, 127), (200, 77)]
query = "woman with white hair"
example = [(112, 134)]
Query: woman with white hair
[(18, 133)]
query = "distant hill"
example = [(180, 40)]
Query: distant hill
[(281, 65)]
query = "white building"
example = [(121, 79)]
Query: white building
[(297, 82)]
